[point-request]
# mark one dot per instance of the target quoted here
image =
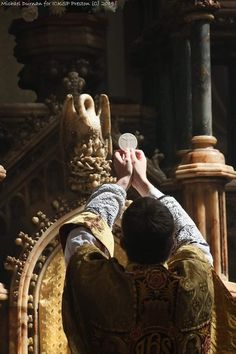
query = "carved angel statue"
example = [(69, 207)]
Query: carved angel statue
[(86, 139)]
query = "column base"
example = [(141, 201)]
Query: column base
[(203, 160), (203, 175)]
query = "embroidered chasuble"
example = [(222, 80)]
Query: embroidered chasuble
[(181, 307)]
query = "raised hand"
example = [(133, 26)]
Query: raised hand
[(139, 179), (123, 167)]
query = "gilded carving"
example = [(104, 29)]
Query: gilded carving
[(86, 139), (74, 84), (207, 3), (3, 292), (42, 221), (37, 253), (13, 263), (24, 240), (35, 296), (2, 173), (196, 4)]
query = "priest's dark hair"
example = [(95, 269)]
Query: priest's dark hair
[(148, 231)]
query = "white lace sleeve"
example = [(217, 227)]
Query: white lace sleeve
[(186, 232), (107, 201), (79, 236)]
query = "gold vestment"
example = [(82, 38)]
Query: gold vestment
[(178, 308)]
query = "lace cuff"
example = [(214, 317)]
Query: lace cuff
[(186, 232), (107, 201)]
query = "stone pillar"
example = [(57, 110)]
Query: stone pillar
[(165, 94), (201, 74), (202, 171), (203, 174), (183, 94)]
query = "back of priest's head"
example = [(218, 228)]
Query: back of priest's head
[(148, 229)]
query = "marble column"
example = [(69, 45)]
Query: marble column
[(165, 92), (202, 171), (201, 76), (183, 94)]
